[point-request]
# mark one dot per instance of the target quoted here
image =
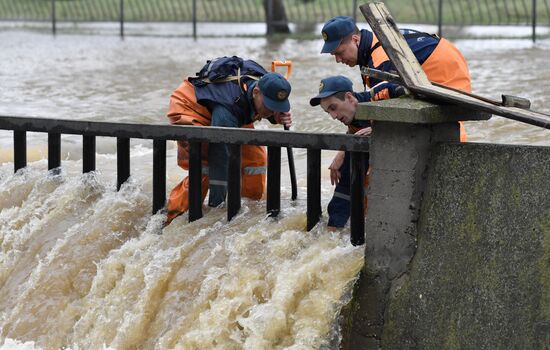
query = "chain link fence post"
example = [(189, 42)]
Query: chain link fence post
[(534, 19), (54, 29), (440, 18), (194, 19), (121, 18), (269, 17)]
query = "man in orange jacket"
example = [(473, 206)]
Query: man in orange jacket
[(228, 92), (441, 60)]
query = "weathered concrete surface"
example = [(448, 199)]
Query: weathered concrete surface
[(480, 277), (409, 110)]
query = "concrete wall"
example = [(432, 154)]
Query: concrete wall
[(480, 277), (457, 249)]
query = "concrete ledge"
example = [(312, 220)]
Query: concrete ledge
[(409, 110)]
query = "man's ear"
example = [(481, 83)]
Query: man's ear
[(255, 91), (349, 95), (356, 38)]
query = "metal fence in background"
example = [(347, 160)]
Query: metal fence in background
[(299, 11), (442, 12)]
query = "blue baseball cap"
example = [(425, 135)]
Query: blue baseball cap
[(330, 86), (275, 90), (335, 30)]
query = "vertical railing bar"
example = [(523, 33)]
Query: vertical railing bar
[(357, 198), (123, 160), (313, 187), (273, 200), (54, 150), (19, 150), (234, 181), (195, 181), (88, 153), (159, 174)]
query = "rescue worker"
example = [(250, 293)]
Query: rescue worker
[(337, 98), (227, 92), (441, 61)]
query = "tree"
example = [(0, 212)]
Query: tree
[(275, 15)]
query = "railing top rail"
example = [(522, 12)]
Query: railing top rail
[(192, 133)]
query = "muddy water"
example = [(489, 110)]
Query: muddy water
[(84, 266)]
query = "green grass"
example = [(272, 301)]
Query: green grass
[(458, 12)]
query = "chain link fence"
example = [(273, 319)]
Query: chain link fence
[(453, 12), (298, 11)]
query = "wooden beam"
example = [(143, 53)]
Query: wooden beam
[(395, 45), (444, 95)]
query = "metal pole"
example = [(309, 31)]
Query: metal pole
[(273, 201), (313, 187), (234, 181), (123, 160), (88, 153), (440, 18), (54, 150), (159, 174), (195, 19), (357, 198), (53, 18), (354, 11), (122, 18), (19, 149), (534, 15), (195, 181)]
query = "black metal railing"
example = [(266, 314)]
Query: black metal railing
[(234, 137)]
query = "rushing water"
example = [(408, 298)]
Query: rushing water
[(87, 267)]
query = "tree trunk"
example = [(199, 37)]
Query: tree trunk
[(276, 19)]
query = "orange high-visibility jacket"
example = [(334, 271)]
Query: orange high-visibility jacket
[(185, 110), (442, 62)]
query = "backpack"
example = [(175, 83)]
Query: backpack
[(225, 69)]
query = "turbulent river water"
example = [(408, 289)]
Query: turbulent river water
[(83, 266)]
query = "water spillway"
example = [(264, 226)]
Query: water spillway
[(84, 265)]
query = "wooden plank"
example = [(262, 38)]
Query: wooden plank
[(395, 45), (444, 95)]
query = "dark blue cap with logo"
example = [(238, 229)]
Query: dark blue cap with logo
[(275, 90), (330, 86), (335, 30)]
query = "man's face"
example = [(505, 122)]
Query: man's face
[(342, 110), (346, 52), (261, 109)]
